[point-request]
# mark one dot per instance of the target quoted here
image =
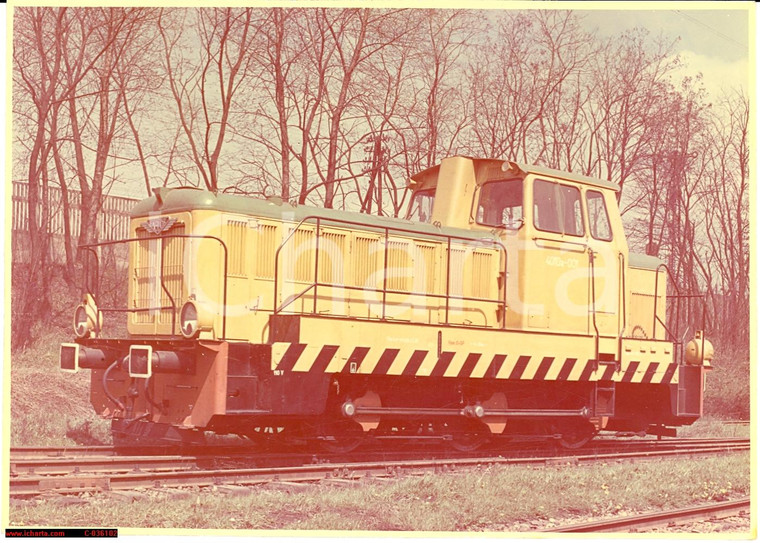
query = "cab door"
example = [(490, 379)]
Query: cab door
[(557, 280), (608, 266)]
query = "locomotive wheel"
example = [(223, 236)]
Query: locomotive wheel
[(466, 442), (469, 437), (341, 437), (575, 435)]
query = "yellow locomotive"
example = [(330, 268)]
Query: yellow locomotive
[(506, 303)]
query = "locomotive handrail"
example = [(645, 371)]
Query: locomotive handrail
[(278, 308), (678, 341), (656, 319), (621, 261), (592, 271), (581, 247), (90, 247)]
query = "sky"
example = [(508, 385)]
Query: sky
[(714, 42)]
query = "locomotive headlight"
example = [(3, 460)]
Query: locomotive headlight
[(195, 319), (87, 318), (81, 327), (188, 319)]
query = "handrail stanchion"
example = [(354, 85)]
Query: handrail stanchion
[(385, 271), (621, 263), (593, 303), (448, 277), (504, 302), (316, 268), (166, 290)]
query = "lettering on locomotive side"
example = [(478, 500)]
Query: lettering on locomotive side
[(560, 262)]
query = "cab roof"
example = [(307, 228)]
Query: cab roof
[(524, 169)]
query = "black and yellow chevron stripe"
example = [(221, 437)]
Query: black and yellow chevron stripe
[(301, 357)]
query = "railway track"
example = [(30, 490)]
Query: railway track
[(599, 444), (60, 461), (34, 476), (660, 519)]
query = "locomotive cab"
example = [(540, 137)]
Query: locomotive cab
[(566, 247)]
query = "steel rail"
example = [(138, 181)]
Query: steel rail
[(31, 486), (659, 519), (52, 452), (105, 464), (42, 452)]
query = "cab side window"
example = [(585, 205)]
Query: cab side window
[(421, 208), (557, 208), (598, 219), (501, 203)]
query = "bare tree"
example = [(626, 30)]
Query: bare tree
[(630, 80), (95, 105), (205, 85), (340, 44), (37, 53), (727, 219), (520, 72)]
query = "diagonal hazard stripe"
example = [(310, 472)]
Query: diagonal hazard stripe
[(567, 368), (414, 362), (543, 369), (669, 373), (355, 359), (291, 356), (443, 363), (588, 370), (324, 358), (630, 372), (469, 364), (649, 374), (609, 371), (386, 359), (519, 368), (495, 366)]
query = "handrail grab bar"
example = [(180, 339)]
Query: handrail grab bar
[(91, 248), (498, 244)]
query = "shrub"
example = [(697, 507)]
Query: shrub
[(727, 389)]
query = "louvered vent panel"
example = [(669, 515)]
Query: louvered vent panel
[(366, 263), (267, 245), (424, 269), (482, 274), (332, 248), (399, 266), (236, 246), (173, 269), (456, 272), (299, 263), (146, 262)]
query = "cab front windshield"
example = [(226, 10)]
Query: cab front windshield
[(421, 207)]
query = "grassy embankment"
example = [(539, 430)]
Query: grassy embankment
[(49, 407), (513, 499)]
